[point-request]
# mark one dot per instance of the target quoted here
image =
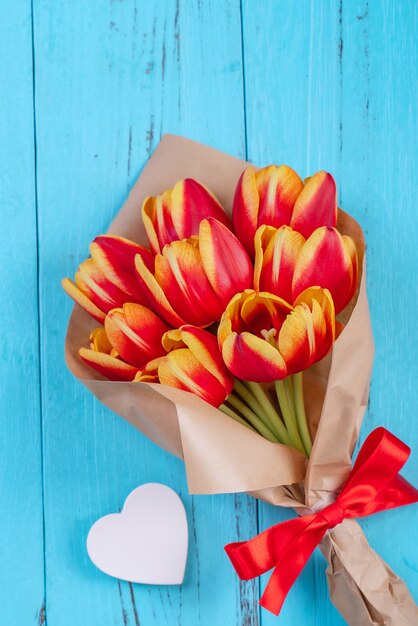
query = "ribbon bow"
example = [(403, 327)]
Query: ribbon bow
[(373, 485)]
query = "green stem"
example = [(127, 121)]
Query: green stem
[(289, 416), (300, 413), (275, 421), (254, 420), (252, 402), (228, 411)]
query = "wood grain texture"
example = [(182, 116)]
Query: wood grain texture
[(111, 78), (339, 92), (380, 81), (317, 84), (21, 525), (293, 106)]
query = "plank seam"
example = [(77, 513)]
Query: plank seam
[(244, 83), (244, 100), (42, 616)]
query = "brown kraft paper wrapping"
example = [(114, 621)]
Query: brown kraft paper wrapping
[(216, 449)]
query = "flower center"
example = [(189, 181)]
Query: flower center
[(269, 336)]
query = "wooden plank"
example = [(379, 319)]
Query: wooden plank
[(336, 88), (380, 127), (293, 104), (110, 79), (21, 524)]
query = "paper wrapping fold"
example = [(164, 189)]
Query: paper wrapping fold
[(220, 455)]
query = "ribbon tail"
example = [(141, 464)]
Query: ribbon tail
[(292, 563), (261, 553)]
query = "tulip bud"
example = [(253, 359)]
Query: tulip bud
[(135, 332), (176, 213), (104, 359), (195, 364), (108, 279), (276, 196), (195, 278), (329, 260)]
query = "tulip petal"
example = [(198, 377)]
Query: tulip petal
[(115, 258), (328, 260), (226, 263), (135, 332), (191, 203), (172, 340), (250, 358), (149, 374), (109, 366), (316, 205), (263, 311), (157, 219), (104, 294), (308, 332), (84, 301), (204, 346), (149, 219), (155, 295), (323, 298), (99, 341), (278, 188), (296, 339), (181, 369), (180, 273), (276, 253), (245, 209)]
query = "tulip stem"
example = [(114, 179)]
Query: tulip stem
[(274, 419), (300, 413), (289, 415), (228, 411), (252, 402), (254, 420)]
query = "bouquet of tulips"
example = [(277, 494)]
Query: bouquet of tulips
[(238, 340)]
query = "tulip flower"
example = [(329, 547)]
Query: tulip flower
[(276, 196), (195, 278), (328, 259), (108, 279), (176, 213), (286, 264), (114, 257), (265, 339), (276, 253), (194, 363), (103, 358), (135, 332), (128, 343)]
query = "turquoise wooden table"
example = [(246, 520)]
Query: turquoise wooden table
[(87, 89)]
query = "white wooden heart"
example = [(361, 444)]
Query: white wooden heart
[(146, 542)]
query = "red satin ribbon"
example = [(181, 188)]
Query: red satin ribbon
[(373, 485)]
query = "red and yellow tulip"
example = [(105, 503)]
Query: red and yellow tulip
[(195, 278), (286, 264), (265, 339), (135, 332), (275, 319), (108, 279), (276, 254), (276, 196), (194, 363), (128, 344), (176, 213), (103, 358)]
